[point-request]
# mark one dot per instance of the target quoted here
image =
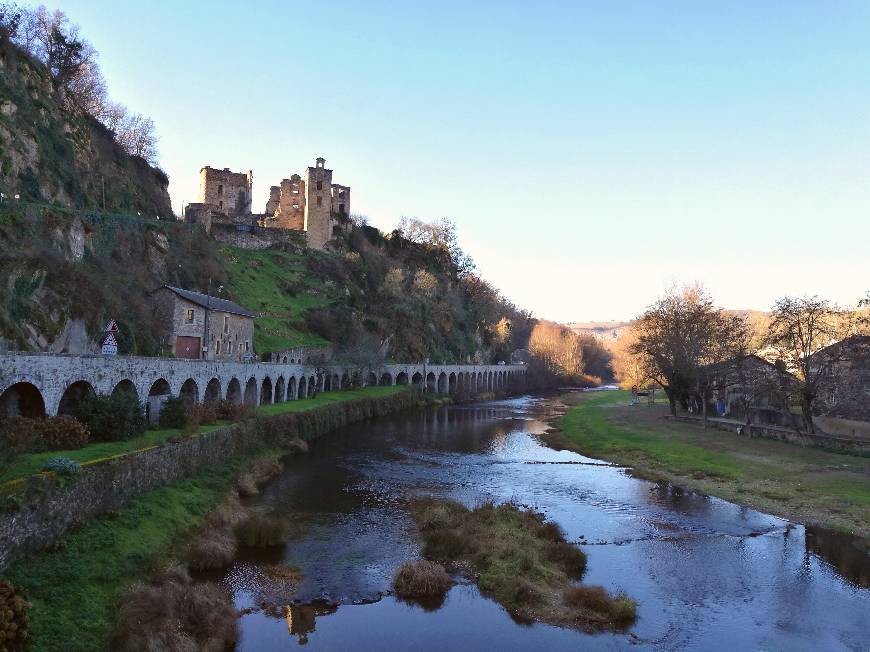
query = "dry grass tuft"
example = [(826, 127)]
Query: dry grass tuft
[(264, 470), (297, 446), (174, 614), (421, 579), (520, 559), (246, 485), (214, 548), (262, 529)]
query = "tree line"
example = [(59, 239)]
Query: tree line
[(694, 349), (49, 37)]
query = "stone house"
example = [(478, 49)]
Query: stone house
[(224, 197), (750, 389), (201, 326), (844, 379)]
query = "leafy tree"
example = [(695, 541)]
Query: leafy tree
[(173, 414)]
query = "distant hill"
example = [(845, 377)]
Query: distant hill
[(605, 331)]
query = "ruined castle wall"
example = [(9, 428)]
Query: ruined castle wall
[(229, 191), (340, 200)]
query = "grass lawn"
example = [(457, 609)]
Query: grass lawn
[(30, 463), (274, 283), (73, 590), (807, 485)]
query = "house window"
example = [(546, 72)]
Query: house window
[(189, 317), (217, 348), (296, 206), (320, 201), (247, 345), (226, 324), (320, 185)]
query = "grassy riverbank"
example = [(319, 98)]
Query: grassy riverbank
[(29, 463), (807, 485), (74, 587)]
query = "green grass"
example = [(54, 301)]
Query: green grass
[(30, 463), (275, 284), (328, 398), (74, 589), (805, 484)]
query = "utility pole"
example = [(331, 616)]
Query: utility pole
[(207, 310)]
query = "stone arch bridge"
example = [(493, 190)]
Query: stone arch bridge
[(37, 384)]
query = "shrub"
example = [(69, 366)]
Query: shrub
[(621, 610), (229, 411), (202, 413), (26, 435), (421, 579), (173, 414), (174, 614), (265, 469), (113, 417), (13, 618), (214, 548), (260, 529), (297, 446), (62, 466), (569, 558), (246, 486)]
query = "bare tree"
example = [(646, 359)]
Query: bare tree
[(680, 334), (136, 134), (10, 21), (801, 331)]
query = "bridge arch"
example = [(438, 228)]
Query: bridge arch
[(431, 382), (212, 392), (372, 379), (189, 392), (127, 387), (402, 378), (251, 391), (266, 391), (22, 399), (442, 383), (72, 397), (303, 387), (280, 389), (417, 379), (386, 379), (234, 391), (291, 389), (312, 386), (451, 383)]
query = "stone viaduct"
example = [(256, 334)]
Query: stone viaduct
[(36, 384)]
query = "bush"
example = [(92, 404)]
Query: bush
[(13, 618), (26, 435), (213, 549), (175, 614), (569, 558), (421, 579), (202, 414), (260, 529), (173, 414), (297, 446), (621, 610), (229, 411), (62, 466), (113, 417), (246, 486)]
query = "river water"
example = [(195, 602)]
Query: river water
[(707, 574)]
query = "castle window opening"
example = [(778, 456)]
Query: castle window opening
[(320, 201), (217, 347), (341, 208), (189, 317), (220, 189), (221, 203), (320, 185), (247, 345), (226, 324)]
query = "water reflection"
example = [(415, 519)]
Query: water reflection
[(708, 574)]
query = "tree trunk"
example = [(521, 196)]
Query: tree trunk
[(672, 401), (807, 409), (704, 408)]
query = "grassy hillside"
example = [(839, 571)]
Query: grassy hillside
[(66, 273)]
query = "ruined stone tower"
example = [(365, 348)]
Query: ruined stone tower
[(229, 191), (313, 204)]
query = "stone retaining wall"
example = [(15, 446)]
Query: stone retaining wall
[(51, 506)]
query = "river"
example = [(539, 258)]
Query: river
[(707, 574)]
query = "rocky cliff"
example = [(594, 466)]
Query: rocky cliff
[(51, 154)]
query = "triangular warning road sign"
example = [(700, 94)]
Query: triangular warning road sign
[(111, 327), (109, 340)]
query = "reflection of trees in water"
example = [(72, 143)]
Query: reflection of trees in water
[(842, 551), (301, 618)]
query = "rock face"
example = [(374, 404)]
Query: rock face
[(50, 154)]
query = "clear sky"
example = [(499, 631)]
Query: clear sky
[(591, 153)]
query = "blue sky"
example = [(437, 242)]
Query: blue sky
[(591, 153)]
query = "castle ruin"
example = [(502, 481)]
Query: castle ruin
[(312, 204)]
